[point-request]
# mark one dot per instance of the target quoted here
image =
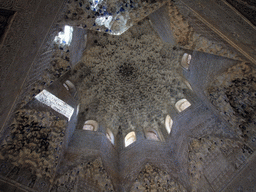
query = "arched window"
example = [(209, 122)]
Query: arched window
[(90, 125), (66, 86), (70, 87), (168, 123), (185, 61), (110, 136), (188, 85), (77, 109), (130, 138), (182, 104), (152, 135)]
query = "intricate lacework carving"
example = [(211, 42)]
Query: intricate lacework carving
[(88, 175), (233, 93), (152, 178), (35, 140), (139, 80)]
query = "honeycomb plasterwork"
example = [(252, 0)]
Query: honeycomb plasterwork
[(131, 80), (133, 76)]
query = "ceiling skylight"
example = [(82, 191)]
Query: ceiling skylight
[(65, 37)]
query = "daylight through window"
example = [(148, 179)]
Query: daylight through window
[(130, 138), (182, 104), (55, 103)]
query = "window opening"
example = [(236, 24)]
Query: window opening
[(70, 84), (77, 109), (168, 123), (110, 136), (55, 103), (185, 61), (188, 85), (65, 85), (70, 87), (182, 104), (65, 37), (130, 138), (90, 125), (152, 135)]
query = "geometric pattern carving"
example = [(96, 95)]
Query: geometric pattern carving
[(217, 170), (216, 160), (233, 93)]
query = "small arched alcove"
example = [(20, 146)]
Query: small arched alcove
[(152, 134), (129, 138), (185, 61), (182, 104), (110, 136), (90, 125), (168, 124)]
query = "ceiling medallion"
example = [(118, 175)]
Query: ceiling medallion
[(127, 72)]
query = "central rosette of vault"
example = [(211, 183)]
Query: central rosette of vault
[(127, 72)]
